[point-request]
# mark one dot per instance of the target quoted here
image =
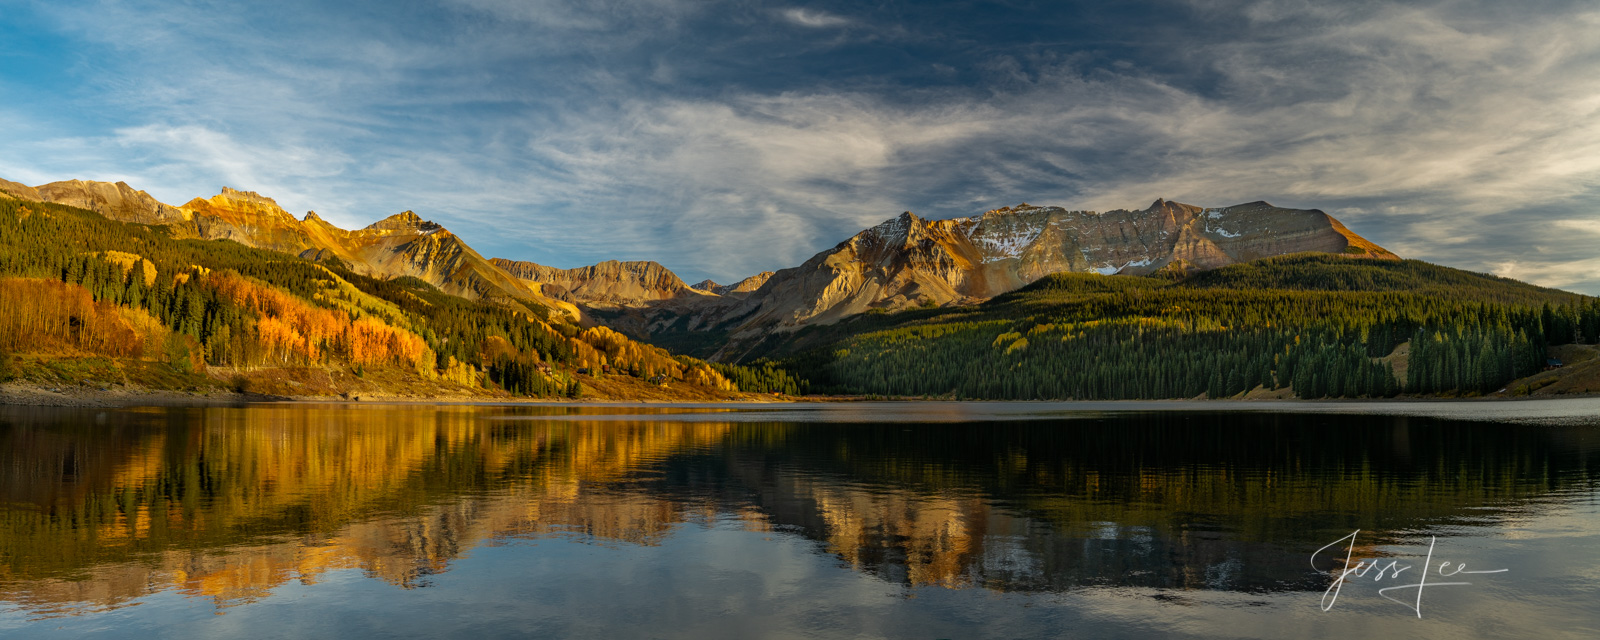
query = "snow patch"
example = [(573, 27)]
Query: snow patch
[(1214, 216), (1008, 244)]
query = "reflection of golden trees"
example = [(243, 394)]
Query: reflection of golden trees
[(231, 503), (291, 492), (936, 537)]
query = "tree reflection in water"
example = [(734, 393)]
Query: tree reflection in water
[(100, 508)]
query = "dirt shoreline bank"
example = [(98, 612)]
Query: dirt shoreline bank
[(44, 395), (41, 395)]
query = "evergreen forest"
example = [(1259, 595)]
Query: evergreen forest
[(1316, 325)]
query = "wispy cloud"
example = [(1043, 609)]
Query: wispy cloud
[(813, 18), (721, 140), (276, 170), (1554, 274), (1590, 226)]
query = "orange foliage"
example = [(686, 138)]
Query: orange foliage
[(600, 345), (493, 348), (43, 316), (292, 330), (372, 341), (706, 376)]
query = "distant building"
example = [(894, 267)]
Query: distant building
[(1552, 363)]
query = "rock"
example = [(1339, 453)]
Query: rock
[(610, 283), (908, 261)]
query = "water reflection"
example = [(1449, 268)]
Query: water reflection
[(98, 509)]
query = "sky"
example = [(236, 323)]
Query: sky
[(724, 138)]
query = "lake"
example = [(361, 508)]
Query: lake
[(900, 520)]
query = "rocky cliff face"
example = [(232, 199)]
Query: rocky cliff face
[(406, 245), (708, 285), (251, 219), (908, 261), (117, 201), (401, 245), (744, 286), (608, 284)]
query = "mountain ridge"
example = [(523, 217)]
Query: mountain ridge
[(400, 245), (293, 306), (903, 262), (908, 261)]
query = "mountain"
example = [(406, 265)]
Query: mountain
[(1172, 301), (103, 308), (908, 262), (708, 285), (400, 245), (608, 284), (745, 286), (115, 201), (902, 263), (1306, 325)]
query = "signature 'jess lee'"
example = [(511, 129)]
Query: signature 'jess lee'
[(1391, 570)]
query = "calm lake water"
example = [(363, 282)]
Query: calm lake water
[(927, 520)]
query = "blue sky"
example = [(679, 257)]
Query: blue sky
[(726, 138)]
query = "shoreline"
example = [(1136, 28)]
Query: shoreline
[(16, 393)]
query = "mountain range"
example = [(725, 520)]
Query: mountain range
[(102, 281), (905, 262), (400, 245)]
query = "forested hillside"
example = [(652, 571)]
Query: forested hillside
[(74, 284), (1317, 324)]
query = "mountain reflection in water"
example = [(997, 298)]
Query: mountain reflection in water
[(101, 508)]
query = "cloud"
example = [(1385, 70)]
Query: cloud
[(814, 19), (1551, 274), (1427, 147), (588, 15), (279, 170), (721, 142), (1590, 226)]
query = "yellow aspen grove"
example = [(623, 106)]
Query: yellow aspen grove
[(48, 315), (292, 331)]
